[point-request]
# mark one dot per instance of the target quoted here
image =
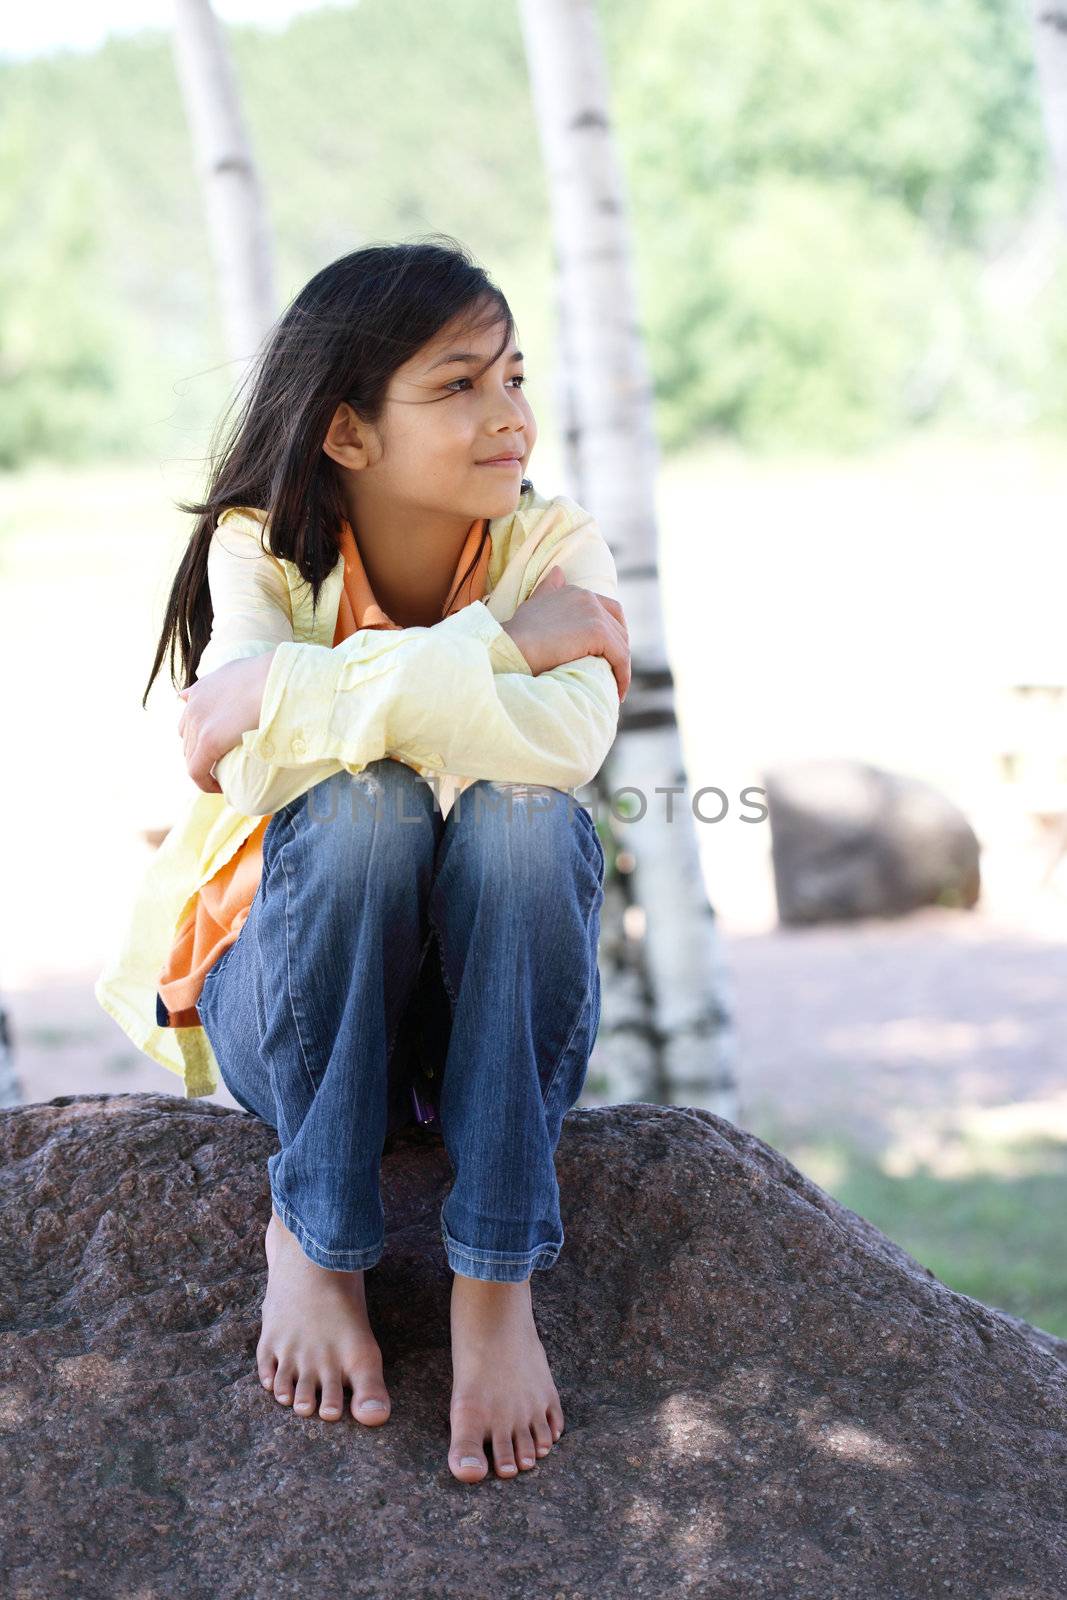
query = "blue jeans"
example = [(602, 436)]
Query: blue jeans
[(381, 929)]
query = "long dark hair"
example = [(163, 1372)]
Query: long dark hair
[(342, 338)]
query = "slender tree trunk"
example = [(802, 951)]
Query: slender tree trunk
[(1050, 51), (687, 1054), (10, 1087), (239, 227)]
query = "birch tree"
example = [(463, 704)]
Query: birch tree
[(238, 224), (10, 1087), (682, 1050), (1049, 18)]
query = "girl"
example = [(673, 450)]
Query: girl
[(361, 645)]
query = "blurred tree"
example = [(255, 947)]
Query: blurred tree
[(10, 1087), (1050, 51), (57, 334), (819, 195), (613, 461), (239, 225)]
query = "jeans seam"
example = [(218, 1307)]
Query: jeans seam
[(453, 1002), (289, 972), (503, 1258), (582, 1011)]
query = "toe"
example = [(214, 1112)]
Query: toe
[(305, 1402), (555, 1418), (504, 1454), (370, 1405), (467, 1460), (333, 1399), (543, 1436), (266, 1366), (524, 1449), (283, 1385)]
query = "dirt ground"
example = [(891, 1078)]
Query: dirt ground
[(903, 1036)]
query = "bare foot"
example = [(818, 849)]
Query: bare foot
[(316, 1332), (501, 1384)]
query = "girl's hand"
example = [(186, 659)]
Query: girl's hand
[(563, 622), (217, 710)]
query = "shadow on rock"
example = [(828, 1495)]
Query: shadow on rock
[(764, 1395)]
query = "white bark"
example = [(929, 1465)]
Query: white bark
[(238, 225), (1049, 19), (10, 1087), (689, 1046)]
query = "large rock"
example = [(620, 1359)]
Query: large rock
[(849, 840), (764, 1396)]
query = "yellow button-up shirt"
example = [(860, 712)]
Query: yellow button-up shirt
[(458, 702)]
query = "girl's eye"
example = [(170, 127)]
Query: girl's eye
[(519, 378)]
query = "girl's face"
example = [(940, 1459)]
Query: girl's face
[(442, 423)]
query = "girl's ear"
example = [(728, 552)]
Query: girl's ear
[(344, 441)]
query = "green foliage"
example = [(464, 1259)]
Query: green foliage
[(817, 194), (56, 340)]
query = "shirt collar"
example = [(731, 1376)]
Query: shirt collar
[(359, 609)]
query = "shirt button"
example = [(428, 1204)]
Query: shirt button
[(298, 746)]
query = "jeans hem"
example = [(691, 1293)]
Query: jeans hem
[(497, 1266), (332, 1260)]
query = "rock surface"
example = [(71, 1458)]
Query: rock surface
[(763, 1395)]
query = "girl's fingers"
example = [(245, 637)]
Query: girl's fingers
[(619, 657)]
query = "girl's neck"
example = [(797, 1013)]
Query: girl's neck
[(410, 568)]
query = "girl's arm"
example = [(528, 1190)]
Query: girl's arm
[(458, 698), (252, 615), (249, 595)]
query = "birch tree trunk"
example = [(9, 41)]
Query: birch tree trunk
[(238, 225), (10, 1087), (682, 1049), (1049, 19)]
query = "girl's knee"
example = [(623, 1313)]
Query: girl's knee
[(351, 818), (383, 793), (536, 838)]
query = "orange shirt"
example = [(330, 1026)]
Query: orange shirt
[(221, 908)]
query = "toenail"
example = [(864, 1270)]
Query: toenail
[(371, 1405), (508, 1466), (527, 1461), (470, 1461)]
